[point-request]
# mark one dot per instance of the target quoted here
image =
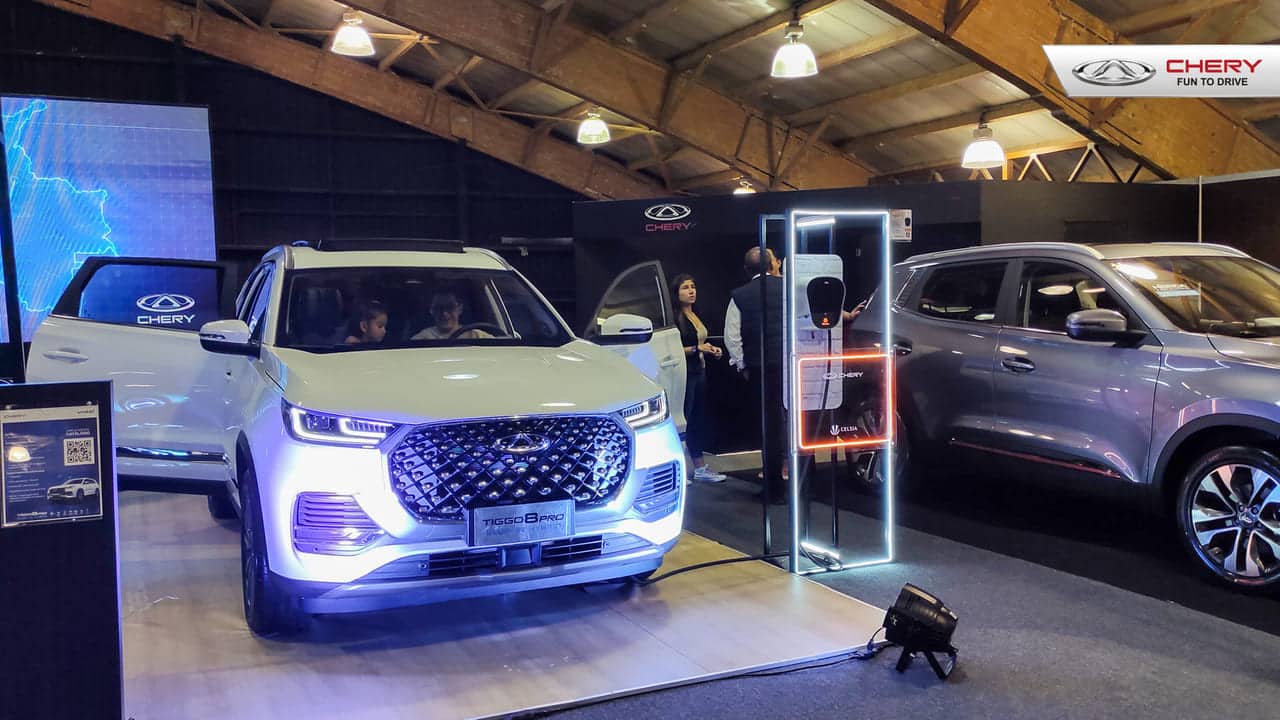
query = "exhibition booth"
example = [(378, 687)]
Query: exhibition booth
[(528, 541)]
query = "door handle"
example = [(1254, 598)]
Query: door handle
[(1018, 364), (901, 348), (70, 356), (669, 361)]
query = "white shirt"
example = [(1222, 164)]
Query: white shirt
[(733, 334)]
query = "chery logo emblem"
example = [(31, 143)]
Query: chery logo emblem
[(1114, 72), (166, 302), (522, 443), (667, 212)]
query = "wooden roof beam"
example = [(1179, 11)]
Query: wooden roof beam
[(1009, 154), (658, 10), (1167, 16), (774, 23), (361, 84), (836, 58), (1261, 111), (851, 104), (587, 65), (951, 122), (1176, 137)]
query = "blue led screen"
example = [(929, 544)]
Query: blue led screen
[(175, 298), (92, 178)]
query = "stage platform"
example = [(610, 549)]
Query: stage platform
[(188, 653)]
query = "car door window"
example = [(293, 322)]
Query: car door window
[(1050, 291), (257, 310), (640, 290), (172, 297), (967, 292)]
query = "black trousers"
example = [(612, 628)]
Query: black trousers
[(695, 413), (767, 384)]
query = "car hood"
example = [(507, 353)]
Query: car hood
[(1262, 350), (417, 384)]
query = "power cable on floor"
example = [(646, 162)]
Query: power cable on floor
[(712, 563)]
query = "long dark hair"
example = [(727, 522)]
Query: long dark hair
[(676, 307)]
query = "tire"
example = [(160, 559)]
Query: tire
[(79, 496), (268, 608), (221, 507), (1228, 509), (868, 467)]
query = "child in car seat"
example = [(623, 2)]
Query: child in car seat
[(369, 325)]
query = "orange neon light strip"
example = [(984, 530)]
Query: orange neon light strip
[(853, 357)]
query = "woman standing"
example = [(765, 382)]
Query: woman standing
[(693, 336)]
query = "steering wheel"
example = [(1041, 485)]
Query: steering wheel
[(496, 331)]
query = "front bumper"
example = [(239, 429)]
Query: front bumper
[(372, 593), (358, 581)]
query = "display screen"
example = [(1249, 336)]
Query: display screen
[(92, 178)]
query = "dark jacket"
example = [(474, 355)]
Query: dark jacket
[(694, 364), (756, 312)]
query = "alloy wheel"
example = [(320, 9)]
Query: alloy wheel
[(1235, 519)]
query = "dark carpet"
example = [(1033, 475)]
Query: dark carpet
[(1069, 608)]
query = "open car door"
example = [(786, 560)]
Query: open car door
[(642, 290), (136, 322)]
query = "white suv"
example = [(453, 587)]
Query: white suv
[(476, 447), (76, 489)]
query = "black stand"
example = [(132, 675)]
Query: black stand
[(904, 661)]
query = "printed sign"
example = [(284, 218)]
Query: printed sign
[(900, 225), (1186, 71), (525, 523), (50, 465)]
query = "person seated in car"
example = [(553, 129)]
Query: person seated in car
[(446, 311), (369, 326)]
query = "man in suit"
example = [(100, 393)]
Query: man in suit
[(753, 328)]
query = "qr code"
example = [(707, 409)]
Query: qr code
[(78, 452)]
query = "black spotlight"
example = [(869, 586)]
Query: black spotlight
[(919, 623), (826, 300)]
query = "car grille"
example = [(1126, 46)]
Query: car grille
[(438, 471), (488, 561)]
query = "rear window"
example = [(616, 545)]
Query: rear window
[(962, 292), (164, 296)]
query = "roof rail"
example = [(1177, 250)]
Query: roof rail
[(384, 244)]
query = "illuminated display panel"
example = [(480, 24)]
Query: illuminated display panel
[(837, 368), (93, 178)]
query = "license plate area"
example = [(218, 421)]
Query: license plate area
[(523, 523)]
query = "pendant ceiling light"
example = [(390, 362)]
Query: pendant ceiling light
[(984, 151), (744, 188), (593, 130), (794, 59), (351, 38)]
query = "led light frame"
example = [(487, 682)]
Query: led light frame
[(851, 357), (795, 219)]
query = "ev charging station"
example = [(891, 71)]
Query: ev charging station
[(838, 386)]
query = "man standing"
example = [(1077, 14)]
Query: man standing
[(755, 314)]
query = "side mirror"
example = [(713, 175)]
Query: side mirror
[(625, 329), (1098, 325), (228, 337)]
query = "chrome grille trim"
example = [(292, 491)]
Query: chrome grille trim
[(438, 471), (658, 495), (332, 525), (493, 560)]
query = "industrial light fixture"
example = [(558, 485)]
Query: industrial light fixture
[(593, 130), (794, 59), (919, 623), (744, 188), (351, 38), (984, 151)]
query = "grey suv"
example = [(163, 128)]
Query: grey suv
[(1132, 369)]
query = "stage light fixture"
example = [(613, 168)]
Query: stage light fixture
[(744, 188), (593, 130), (352, 39), (984, 151), (919, 623), (794, 59)]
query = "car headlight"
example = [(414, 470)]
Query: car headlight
[(318, 427), (649, 412)]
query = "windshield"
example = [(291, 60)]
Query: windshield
[(343, 309), (1223, 295)]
